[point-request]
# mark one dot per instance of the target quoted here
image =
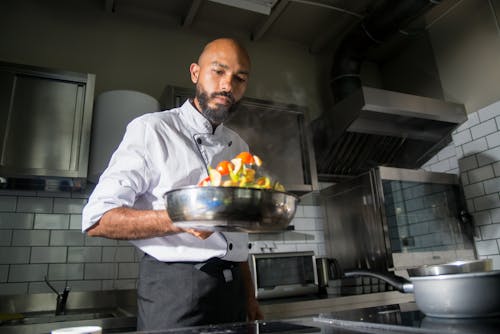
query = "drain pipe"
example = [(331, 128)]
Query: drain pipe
[(386, 20)]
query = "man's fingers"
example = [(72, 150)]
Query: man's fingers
[(199, 234)]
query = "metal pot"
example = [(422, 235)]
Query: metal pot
[(463, 295), (456, 267), (231, 208), (461, 326)]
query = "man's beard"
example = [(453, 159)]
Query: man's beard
[(220, 113)]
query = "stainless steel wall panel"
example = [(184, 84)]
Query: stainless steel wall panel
[(354, 233)]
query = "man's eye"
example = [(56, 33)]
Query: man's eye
[(219, 72), (241, 79)]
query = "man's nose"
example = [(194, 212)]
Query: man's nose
[(226, 83)]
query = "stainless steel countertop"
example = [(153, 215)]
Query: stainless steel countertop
[(115, 311), (394, 318), (282, 309), (352, 314)]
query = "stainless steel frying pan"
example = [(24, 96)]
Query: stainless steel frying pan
[(460, 295), (231, 208)]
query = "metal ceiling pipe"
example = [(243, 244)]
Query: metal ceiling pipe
[(386, 20)]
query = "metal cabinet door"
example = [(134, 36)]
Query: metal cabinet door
[(45, 123)]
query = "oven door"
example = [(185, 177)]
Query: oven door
[(288, 274)]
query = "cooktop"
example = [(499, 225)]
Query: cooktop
[(404, 318), (399, 318), (250, 328)]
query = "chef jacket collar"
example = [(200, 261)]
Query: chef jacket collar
[(197, 121)]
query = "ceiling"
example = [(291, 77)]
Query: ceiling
[(317, 25)]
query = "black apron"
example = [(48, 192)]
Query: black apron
[(181, 294)]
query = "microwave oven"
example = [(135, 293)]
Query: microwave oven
[(277, 275)]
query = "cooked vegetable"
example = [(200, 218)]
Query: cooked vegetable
[(224, 166), (215, 177), (204, 182), (242, 171), (246, 157)]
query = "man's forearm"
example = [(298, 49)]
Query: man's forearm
[(127, 223)]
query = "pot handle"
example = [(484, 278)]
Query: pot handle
[(399, 283)]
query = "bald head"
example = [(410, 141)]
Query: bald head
[(221, 77), (226, 46)]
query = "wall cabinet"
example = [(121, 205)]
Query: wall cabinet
[(45, 121)]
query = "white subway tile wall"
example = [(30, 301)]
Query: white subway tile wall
[(40, 232), (40, 236), (308, 234), (477, 154)]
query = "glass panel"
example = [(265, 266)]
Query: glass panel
[(276, 271), (422, 216)]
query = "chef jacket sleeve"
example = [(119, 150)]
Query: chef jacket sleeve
[(126, 177)]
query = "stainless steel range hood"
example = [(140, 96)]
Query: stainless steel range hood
[(369, 127), (387, 113), (373, 127)]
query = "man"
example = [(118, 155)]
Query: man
[(186, 277)]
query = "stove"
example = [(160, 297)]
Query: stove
[(389, 319), (403, 318), (256, 327)]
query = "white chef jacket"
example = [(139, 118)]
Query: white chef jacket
[(162, 151)]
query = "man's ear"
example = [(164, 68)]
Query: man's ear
[(195, 72)]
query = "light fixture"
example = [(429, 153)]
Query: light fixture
[(259, 6)]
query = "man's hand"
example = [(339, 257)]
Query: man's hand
[(198, 233), (253, 310)]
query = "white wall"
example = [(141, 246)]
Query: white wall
[(128, 52), (40, 232), (474, 154), (466, 43), (40, 235)]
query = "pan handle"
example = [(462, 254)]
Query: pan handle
[(399, 283)]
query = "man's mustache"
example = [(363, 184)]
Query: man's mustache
[(229, 95)]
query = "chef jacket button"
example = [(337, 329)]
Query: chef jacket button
[(230, 246), (249, 245), (198, 140), (230, 143)]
